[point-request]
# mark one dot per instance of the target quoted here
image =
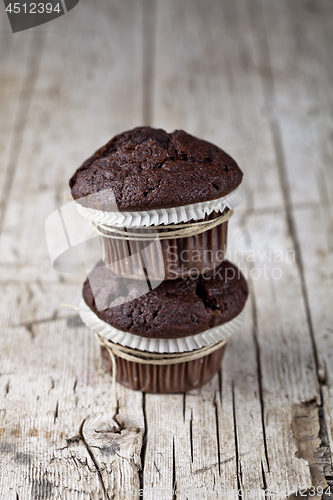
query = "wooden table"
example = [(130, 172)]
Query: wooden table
[(254, 77)]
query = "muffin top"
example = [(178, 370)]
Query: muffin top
[(147, 168), (174, 309)]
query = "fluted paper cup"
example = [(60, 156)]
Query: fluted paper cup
[(157, 258), (163, 379)]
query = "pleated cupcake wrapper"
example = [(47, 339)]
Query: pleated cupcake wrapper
[(166, 259), (165, 379), (157, 217), (184, 344)]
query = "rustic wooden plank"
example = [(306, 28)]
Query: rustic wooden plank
[(318, 269), (299, 51), (199, 455), (59, 435), (207, 82), (290, 47), (164, 420), (244, 382), (19, 61), (303, 128), (230, 87), (286, 358), (192, 457), (242, 429), (216, 78), (69, 119)]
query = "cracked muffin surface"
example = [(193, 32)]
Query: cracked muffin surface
[(174, 309), (147, 168)]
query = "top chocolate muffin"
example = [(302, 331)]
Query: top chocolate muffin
[(147, 168)]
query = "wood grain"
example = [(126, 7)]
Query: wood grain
[(54, 423), (255, 78)]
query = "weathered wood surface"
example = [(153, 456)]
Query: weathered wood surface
[(254, 77)]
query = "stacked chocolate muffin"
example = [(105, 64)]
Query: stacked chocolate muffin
[(163, 300)]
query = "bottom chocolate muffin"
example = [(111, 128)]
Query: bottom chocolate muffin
[(173, 311)]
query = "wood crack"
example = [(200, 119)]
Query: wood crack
[(158, 470), (204, 469), (258, 360), (191, 435), (238, 463), (76, 466), (56, 412), (30, 329), (120, 425), (52, 385), (219, 374), (217, 435), (7, 388), (95, 462), (264, 480), (174, 480), (144, 442), (30, 324)]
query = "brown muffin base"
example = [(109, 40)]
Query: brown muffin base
[(166, 259), (165, 379)]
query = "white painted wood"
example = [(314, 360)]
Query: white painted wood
[(305, 124), (14, 98), (299, 44), (240, 372), (318, 272), (238, 74), (57, 420), (51, 366), (235, 74), (207, 82), (287, 364), (81, 72)]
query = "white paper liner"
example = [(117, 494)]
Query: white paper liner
[(157, 217), (211, 336)]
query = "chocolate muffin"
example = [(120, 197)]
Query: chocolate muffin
[(174, 309), (147, 169), (147, 180)]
